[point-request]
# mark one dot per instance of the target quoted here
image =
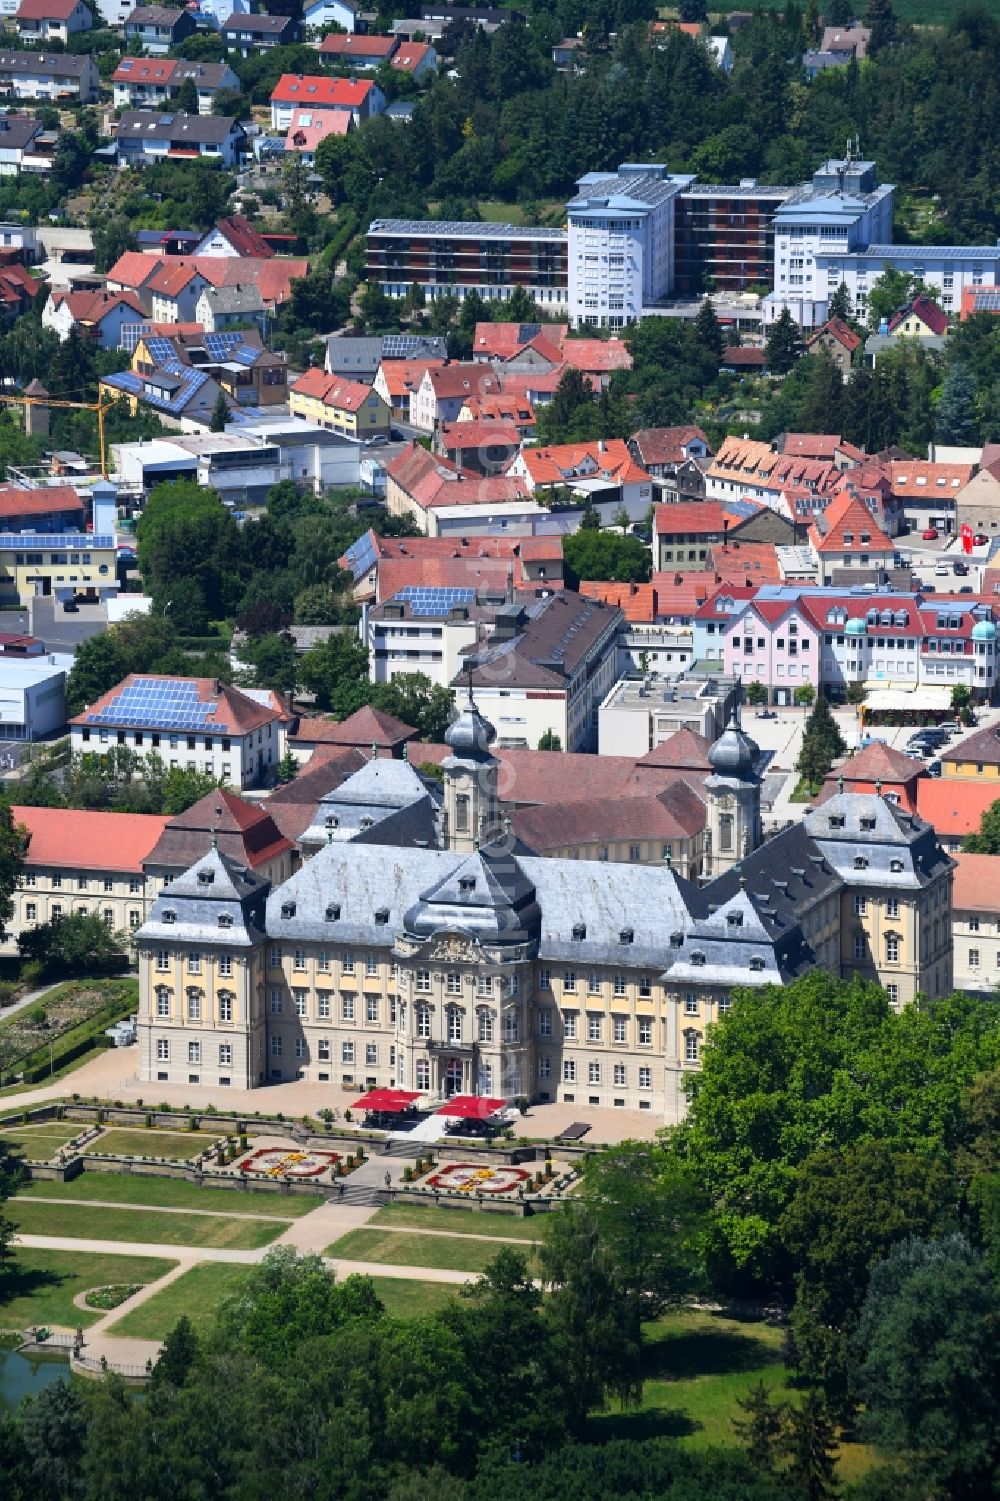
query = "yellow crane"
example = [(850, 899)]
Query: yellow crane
[(99, 406)]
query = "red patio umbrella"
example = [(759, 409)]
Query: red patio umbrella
[(471, 1107), (390, 1100)]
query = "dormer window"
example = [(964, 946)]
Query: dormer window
[(861, 862), (676, 940), (626, 935), (868, 823), (734, 919), (225, 920), (579, 932), (895, 866), (288, 909), (836, 820), (382, 916), (331, 821), (756, 962), (697, 957), (466, 884), (206, 877), (366, 823), (333, 912), (169, 915)]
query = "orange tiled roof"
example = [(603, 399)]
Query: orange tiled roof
[(566, 461), (977, 883), (954, 807), (80, 839), (847, 516), (637, 601)]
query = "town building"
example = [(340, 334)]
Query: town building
[(976, 923), (977, 504), (360, 98), (725, 236), (927, 492), (451, 258), (345, 406), (196, 723), (620, 244), (466, 964), (49, 75), (362, 358), (154, 29), (247, 34), (837, 339), (358, 53), (32, 692), (684, 533), (144, 136), (849, 545), (220, 309), (639, 715), (42, 21), (148, 83), (99, 314)]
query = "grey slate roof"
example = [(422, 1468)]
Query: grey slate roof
[(881, 835), (216, 901), (157, 125), (486, 894), (386, 801), (609, 901), (245, 298), (58, 64), (360, 880)]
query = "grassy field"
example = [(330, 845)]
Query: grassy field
[(41, 1287), (39, 1143), (461, 1221), (121, 1141), (697, 1368), (152, 1226), (409, 1299), (440, 1251), (196, 1294), (172, 1193)]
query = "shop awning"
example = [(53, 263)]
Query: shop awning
[(389, 1100), (471, 1107), (925, 696)]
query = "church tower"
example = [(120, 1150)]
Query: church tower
[(732, 827), (471, 801)]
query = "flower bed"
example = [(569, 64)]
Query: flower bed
[(468, 1178), (113, 1295), (276, 1162)]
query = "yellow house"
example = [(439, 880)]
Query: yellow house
[(344, 406), (66, 564), (921, 319)]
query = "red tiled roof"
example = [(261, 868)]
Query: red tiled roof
[(597, 356), (837, 329), (401, 376), (927, 311), (692, 516), (954, 807), (168, 275), (684, 750), (880, 763), (977, 883), (144, 70), (14, 502), (501, 341), (91, 307), (666, 445), (638, 601), (244, 831), (743, 357), (450, 381), (321, 93), (231, 707), (847, 516), (322, 123), (336, 45), (456, 435), (363, 729), (500, 409), (245, 240), (80, 839), (565, 461), (756, 561), (675, 813), (410, 56), (430, 480), (917, 479), (333, 390), (16, 283), (678, 595), (46, 10)]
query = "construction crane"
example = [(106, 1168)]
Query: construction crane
[(100, 407)]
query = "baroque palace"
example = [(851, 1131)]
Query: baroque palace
[(421, 945)]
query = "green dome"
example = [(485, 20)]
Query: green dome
[(984, 630), (855, 627)]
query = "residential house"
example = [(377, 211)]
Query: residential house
[(78, 861), (18, 291), (381, 566), (746, 469), (183, 397), (839, 341), (236, 362), (773, 642), (880, 771), (20, 241), (236, 237), (199, 724), (485, 447), (170, 286), (344, 406), (721, 51), (99, 314), (320, 15), (977, 504), (361, 98), (418, 60), (564, 54), (362, 731), (222, 308), (684, 534), (976, 758), (597, 472), (357, 52), (976, 300), (426, 628), (927, 493), (360, 358), (443, 390), (853, 39), (647, 643), (144, 136), (147, 83), (309, 127), (41, 21), (663, 450), (545, 669), (509, 410), (525, 344), (247, 34), (846, 540), (54, 76), (397, 381), (155, 29), (920, 319), (441, 499), (975, 919), (50, 508)]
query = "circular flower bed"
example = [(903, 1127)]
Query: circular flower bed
[(112, 1295), (277, 1162), (467, 1178)]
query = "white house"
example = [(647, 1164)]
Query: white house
[(621, 243), (147, 136), (41, 21), (326, 13)]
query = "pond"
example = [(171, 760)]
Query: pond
[(26, 1375)]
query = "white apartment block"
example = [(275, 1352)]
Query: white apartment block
[(621, 243)]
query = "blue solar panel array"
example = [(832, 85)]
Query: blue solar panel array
[(191, 381), (361, 556), (429, 601), (163, 703), (21, 541)]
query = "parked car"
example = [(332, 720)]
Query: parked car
[(966, 589), (941, 571), (930, 535), (71, 607), (961, 568), (934, 768), (980, 539)]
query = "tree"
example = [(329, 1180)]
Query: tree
[(840, 305), (336, 671), (187, 98), (286, 1299), (756, 693), (97, 666), (956, 419), (179, 1353), (592, 554), (809, 1441), (693, 10), (11, 864), (760, 1427), (549, 741), (706, 324), (987, 841), (53, 1428), (288, 768), (881, 19), (273, 660), (821, 743), (81, 943), (929, 1371), (190, 554), (112, 238), (784, 344), (220, 414), (891, 291)]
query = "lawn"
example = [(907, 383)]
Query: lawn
[(460, 1221), (180, 1146), (441, 1251), (40, 1288), (152, 1226), (408, 1299), (173, 1193), (39, 1142), (697, 1368), (197, 1294)]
